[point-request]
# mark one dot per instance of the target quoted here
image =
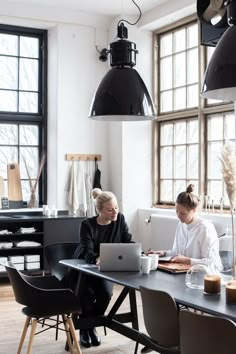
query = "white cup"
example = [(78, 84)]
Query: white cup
[(54, 212), (47, 212), (45, 208), (145, 264), (154, 260)]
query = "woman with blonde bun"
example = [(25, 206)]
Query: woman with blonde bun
[(109, 226)]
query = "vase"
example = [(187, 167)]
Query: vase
[(33, 202)]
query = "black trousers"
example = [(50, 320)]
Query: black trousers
[(95, 296)]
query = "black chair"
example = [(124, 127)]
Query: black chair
[(206, 334), (55, 253), (43, 298), (161, 319)]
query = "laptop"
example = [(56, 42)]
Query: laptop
[(122, 257)]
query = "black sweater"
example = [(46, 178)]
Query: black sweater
[(92, 234)]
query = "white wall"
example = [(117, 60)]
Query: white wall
[(74, 72)]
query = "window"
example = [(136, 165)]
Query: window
[(178, 157), (23, 92), (178, 57), (190, 131)]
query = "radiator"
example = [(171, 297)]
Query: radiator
[(162, 231)]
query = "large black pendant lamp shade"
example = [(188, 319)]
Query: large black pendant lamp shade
[(122, 94), (220, 76)]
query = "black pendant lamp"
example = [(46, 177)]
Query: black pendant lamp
[(220, 76), (122, 94)]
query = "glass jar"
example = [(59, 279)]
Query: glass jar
[(195, 276)]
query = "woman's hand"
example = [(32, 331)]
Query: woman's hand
[(181, 259), (98, 261), (160, 253)]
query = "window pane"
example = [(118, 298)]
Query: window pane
[(166, 44), (166, 162), (192, 62), (229, 127), (7, 155), (179, 40), (180, 162), (8, 73), (180, 133), (30, 154), (193, 162), (167, 134), (166, 191), (28, 75), (29, 47), (28, 102), (192, 96), (215, 191), (180, 186), (8, 44), (192, 128), (166, 101), (8, 134), (180, 98), (8, 101), (192, 36), (166, 69), (215, 128), (29, 135), (214, 165), (179, 70)]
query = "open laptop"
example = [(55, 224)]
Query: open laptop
[(120, 257)]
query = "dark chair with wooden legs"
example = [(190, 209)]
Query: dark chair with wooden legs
[(206, 334), (43, 298), (55, 253), (161, 319)]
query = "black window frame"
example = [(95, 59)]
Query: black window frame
[(40, 118)]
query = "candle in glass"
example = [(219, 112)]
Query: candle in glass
[(230, 292), (212, 284)]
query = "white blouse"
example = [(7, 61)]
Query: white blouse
[(194, 241)]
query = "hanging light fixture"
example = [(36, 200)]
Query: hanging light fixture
[(122, 94), (220, 76)]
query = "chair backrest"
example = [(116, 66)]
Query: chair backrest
[(206, 334), (42, 295), (20, 288), (160, 314), (55, 253)]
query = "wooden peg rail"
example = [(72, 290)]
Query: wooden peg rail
[(83, 157)]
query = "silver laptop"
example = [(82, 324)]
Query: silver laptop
[(120, 257)]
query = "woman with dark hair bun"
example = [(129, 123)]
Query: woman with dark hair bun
[(194, 235)]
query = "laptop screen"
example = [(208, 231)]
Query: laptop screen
[(120, 256)]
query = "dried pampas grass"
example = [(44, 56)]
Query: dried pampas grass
[(228, 161)]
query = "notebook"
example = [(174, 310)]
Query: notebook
[(120, 257), (174, 268)]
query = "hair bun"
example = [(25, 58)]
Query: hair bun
[(190, 188), (96, 192)]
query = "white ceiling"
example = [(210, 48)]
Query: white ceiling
[(104, 7)]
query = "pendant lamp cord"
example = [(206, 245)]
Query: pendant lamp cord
[(140, 14)]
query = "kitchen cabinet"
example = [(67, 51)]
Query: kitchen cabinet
[(29, 234)]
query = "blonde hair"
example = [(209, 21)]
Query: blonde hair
[(103, 197), (188, 199)]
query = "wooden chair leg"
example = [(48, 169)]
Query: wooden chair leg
[(73, 333), (67, 329), (22, 339), (32, 332)]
